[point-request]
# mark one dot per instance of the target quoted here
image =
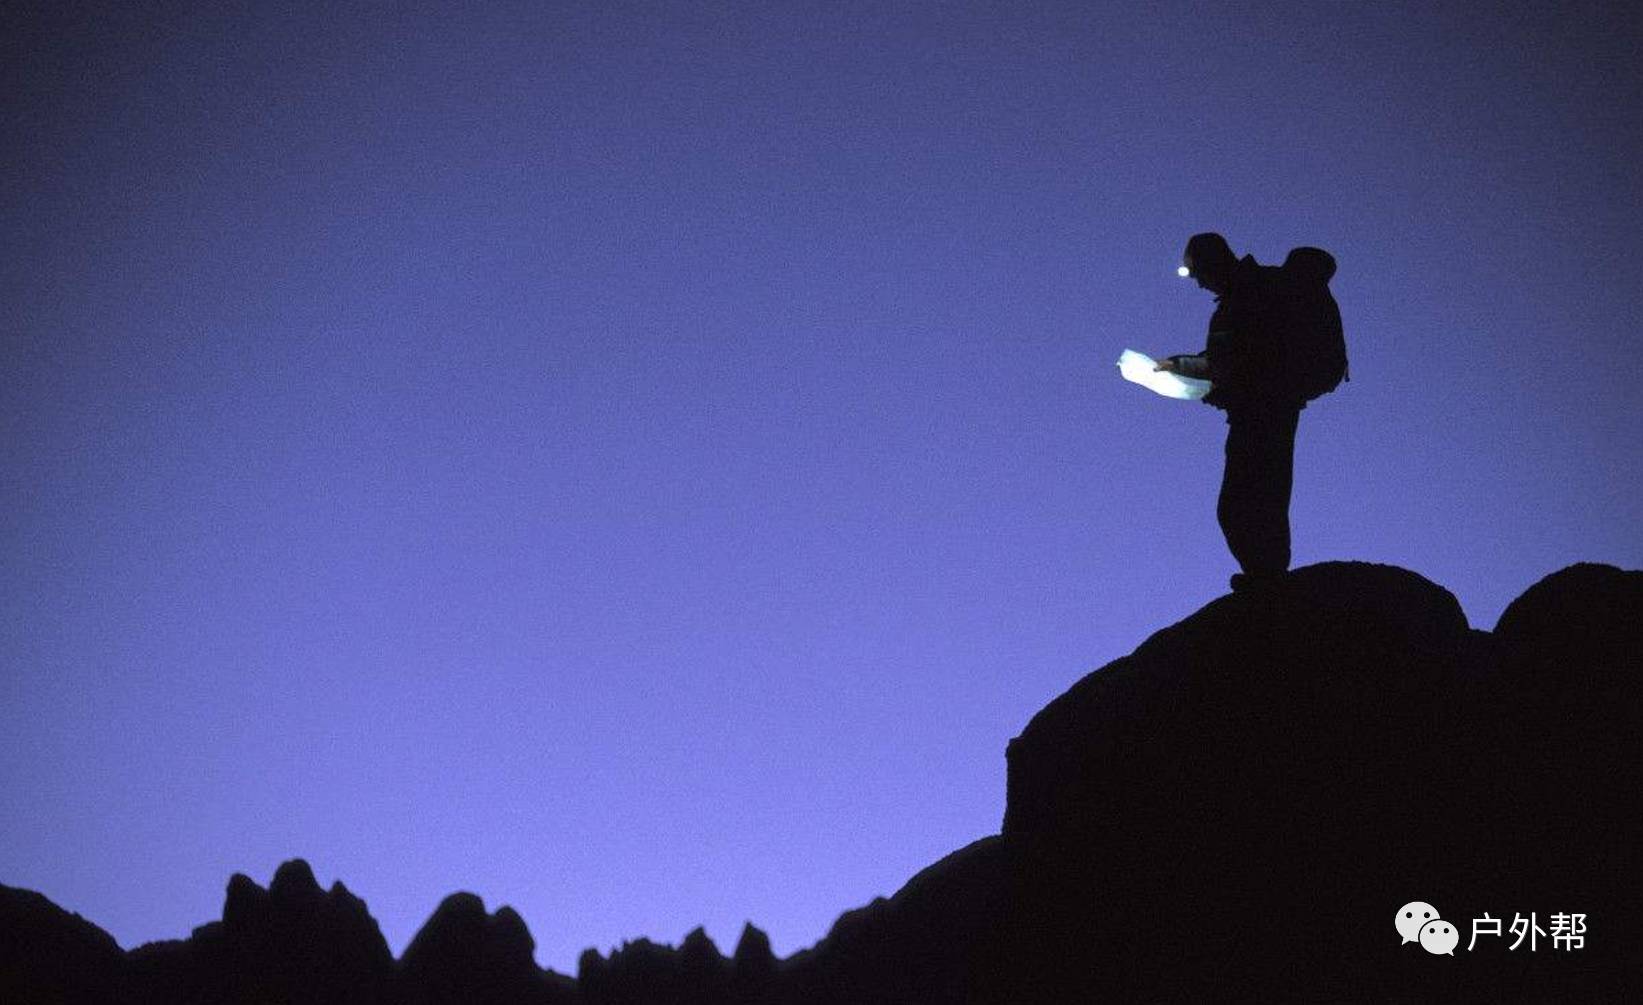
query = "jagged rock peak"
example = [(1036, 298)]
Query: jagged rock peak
[(698, 945), (460, 933), (753, 946), (590, 966), (245, 902), (294, 883), (510, 932), (344, 899), (248, 905)]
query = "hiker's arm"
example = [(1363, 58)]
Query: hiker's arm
[(1186, 366), (1217, 362)]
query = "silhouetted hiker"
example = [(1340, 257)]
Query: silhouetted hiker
[(1274, 344)]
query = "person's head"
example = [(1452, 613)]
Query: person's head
[(1209, 260)]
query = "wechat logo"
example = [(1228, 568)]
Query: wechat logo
[(1418, 921)]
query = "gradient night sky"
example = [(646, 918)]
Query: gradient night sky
[(641, 463)]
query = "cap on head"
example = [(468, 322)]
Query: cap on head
[(1207, 253)]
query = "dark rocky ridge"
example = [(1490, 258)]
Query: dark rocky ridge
[(1236, 809)]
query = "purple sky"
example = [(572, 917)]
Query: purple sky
[(642, 466)]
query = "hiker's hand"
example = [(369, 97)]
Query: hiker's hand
[(1165, 364)]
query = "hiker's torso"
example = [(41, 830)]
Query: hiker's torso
[(1244, 346)]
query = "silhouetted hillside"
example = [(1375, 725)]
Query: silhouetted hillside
[(1237, 809)]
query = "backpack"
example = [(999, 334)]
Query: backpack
[(1309, 323)]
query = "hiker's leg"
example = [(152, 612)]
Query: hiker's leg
[(1253, 508)]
